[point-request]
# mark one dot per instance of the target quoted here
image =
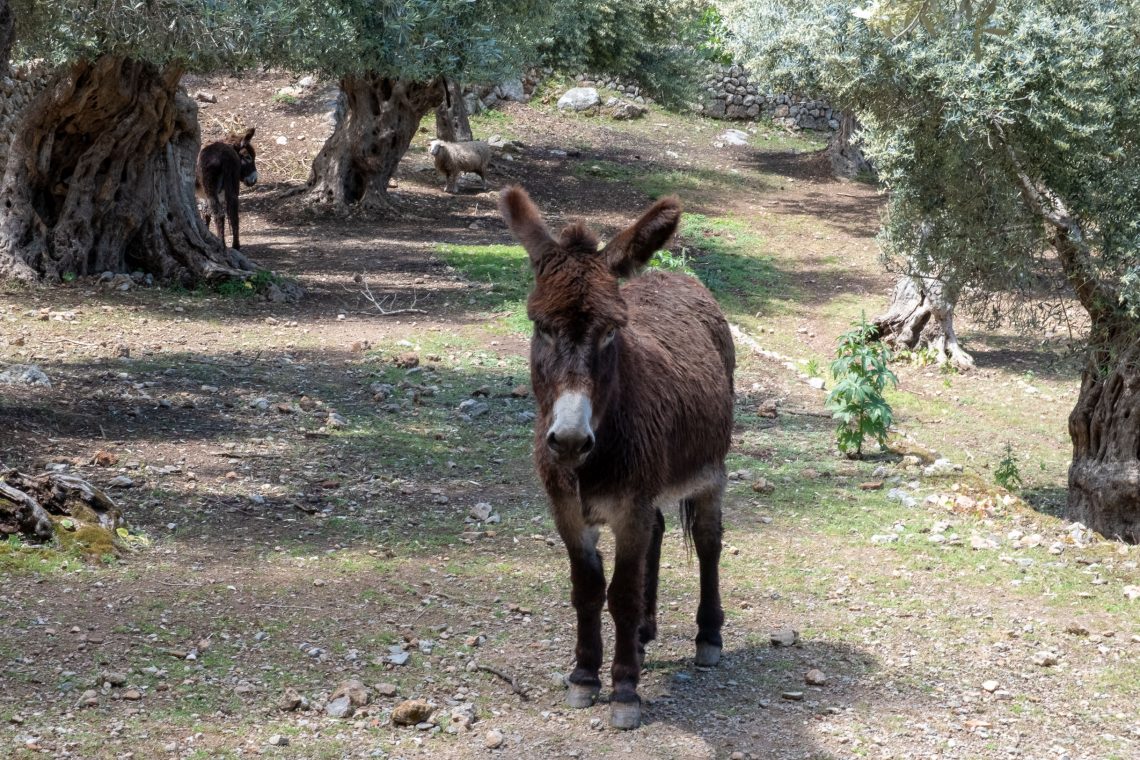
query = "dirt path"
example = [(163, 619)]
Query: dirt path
[(307, 495)]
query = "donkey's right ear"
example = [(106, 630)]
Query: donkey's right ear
[(248, 136), (525, 222)]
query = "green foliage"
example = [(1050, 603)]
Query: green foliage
[(250, 286), (672, 262), (1007, 475), (812, 367), (999, 129), (861, 374), (663, 45)]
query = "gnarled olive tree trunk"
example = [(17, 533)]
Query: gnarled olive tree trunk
[(100, 178), (1104, 477), (451, 122), (844, 151), (921, 315), (360, 157)]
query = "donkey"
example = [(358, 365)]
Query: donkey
[(634, 389), (221, 165)]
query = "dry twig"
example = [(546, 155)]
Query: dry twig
[(509, 679)]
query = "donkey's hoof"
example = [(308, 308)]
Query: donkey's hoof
[(708, 655), (625, 715), (581, 695)]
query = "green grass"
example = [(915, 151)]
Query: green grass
[(691, 184), (501, 274)]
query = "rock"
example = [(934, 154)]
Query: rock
[(1045, 659), (816, 382), (624, 111), (991, 686), (793, 696), (462, 718), (340, 707), (473, 408), (512, 89), (767, 409), (579, 99), (89, 698), (901, 496), (1076, 629), (336, 421), (481, 511), (815, 677), (1132, 592), (763, 485), (291, 700), (410, 712), (386, 689), (277, 740), (24, 374), (306, 82), (132, 694), (494, 739), (733, 137), (784, 637), (113, 678), (397, 655), (121, 481), (202, 96)]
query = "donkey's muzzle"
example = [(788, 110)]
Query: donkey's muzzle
[(250, 179), (570, 445), (570, 437)]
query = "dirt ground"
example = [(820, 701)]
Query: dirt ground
[(305, 488)]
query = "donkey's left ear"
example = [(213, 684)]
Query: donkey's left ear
[(249, 134), (634, 245)]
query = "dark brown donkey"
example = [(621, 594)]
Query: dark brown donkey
[(221, 165), (634, 391)]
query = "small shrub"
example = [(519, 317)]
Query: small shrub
[(1008, 475), (285, 98), (860, 372), (812, 367), (672, 262)]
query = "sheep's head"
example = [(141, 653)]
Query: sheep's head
[(434, 146)]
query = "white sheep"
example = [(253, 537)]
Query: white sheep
[(454, 158)]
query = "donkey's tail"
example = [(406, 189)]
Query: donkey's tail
[(688, 515)]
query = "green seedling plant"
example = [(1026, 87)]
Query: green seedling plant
[(856, 401), (1008, 475)]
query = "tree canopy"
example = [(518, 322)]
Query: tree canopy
[(988, 124)]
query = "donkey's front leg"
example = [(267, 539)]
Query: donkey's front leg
[(588, 594), (632, 538)]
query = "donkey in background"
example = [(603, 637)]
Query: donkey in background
[(221, 165), (635, 392)]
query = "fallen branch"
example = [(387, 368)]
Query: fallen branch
[(382, 303), (509, 679)]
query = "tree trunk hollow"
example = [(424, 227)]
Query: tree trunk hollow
[(1104, 476), (921, 315), (100, 178), (359, 158), (451, 122)]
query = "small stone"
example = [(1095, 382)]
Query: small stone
[(784, 637), (89, 698), (873, 485), (815, 677), (121, 481), (277, 740), (1045, 659), (386, 689), (291, 700), (1132, 592), (1076, 629), (132, 694), (410, 712), (113, 677), (763, 485), (493, 739), (480, 511), (340, 707), (792, 696), (991, 686)]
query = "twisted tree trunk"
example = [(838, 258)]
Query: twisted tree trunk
[(29, 505), (921, 315), (451, 122), (847, 159), (359, 158), (100, 178)]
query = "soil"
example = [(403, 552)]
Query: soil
[(280, 551)]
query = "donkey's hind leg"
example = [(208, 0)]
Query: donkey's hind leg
[(648, 630), (704, 521)]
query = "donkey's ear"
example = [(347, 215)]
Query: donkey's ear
[(248, 135), (525, 222), (633, 246)]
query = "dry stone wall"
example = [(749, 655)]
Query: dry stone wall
[(727, 94)]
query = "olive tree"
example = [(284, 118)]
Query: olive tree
[(1007, 135), (100, 165)]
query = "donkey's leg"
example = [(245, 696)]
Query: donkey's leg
[(633, 534), (214, 209), (648, 630), (588, 595), (232, 211), (707, 534)]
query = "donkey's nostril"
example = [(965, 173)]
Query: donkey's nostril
[(570, 443), (587, 445)]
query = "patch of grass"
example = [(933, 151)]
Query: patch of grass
[(781, 141), (249, 287), (691, 184), (501, 274)]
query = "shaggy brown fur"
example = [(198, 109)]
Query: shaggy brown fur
[(454, 158), (655, 359), (221, 166)]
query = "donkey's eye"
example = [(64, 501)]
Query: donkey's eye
[(608, 338)]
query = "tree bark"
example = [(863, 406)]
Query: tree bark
[(27, 504), (359, 158), (100, 178), (451, 123), (847, 159), (921, 315)]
